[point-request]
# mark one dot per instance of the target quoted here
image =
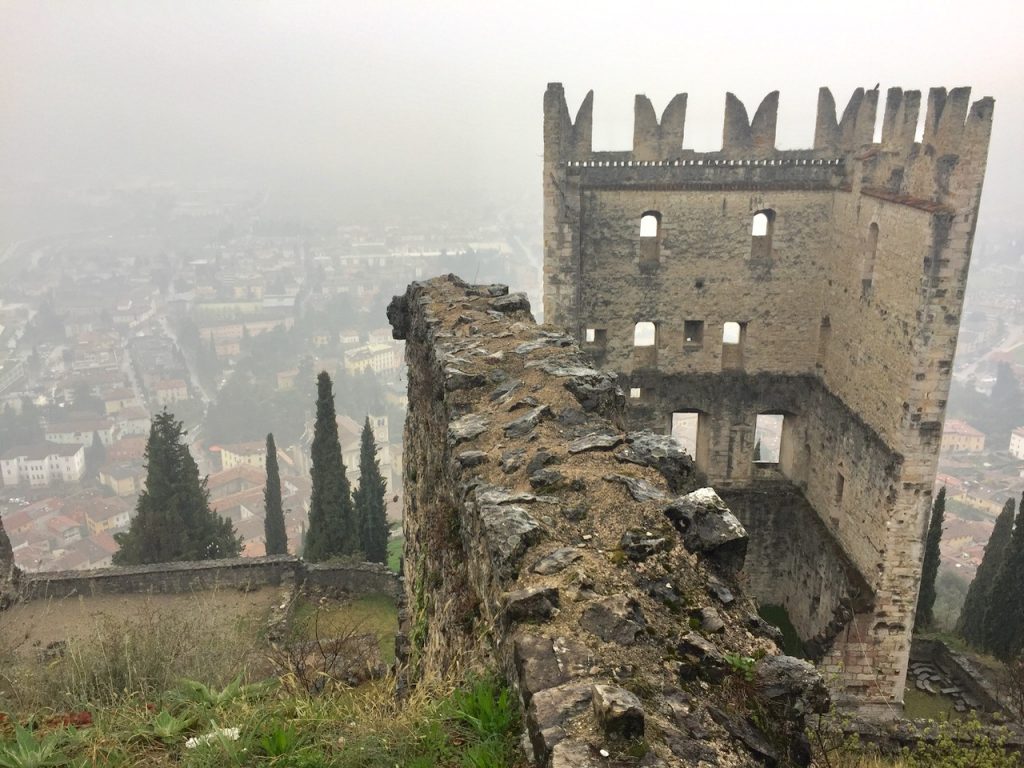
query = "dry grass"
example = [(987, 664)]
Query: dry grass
[(106, 649)]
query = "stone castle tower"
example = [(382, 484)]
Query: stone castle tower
[(792, 317)]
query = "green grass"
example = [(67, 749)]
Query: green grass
[(395, 552), (371, 613), (471, 725), (921, 705)]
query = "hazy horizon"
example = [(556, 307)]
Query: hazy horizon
[(403, 104)]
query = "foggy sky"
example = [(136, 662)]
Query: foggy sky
[(373, 103)]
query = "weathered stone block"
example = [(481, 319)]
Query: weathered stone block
[(619, 713)]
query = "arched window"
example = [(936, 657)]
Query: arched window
[(650, 231), (760, 226), (649, 223), (731, 333), (867, 278), (761, 234), (644, 334)]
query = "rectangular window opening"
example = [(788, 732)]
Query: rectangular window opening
[(634, 393), (693, 332), (768, 438), (589, 335), (840, 486), (685, 426), (732, 333)]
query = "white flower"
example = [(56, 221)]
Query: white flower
[(221, 733)]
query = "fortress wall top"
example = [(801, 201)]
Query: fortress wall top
[(953, 127)]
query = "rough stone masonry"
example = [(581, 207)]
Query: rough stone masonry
[(791, 315), (589, 564)]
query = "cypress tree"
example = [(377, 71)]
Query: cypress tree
[(1004, 629), (930, 567), (371, 507), (173, 518), (972, 622), (6, 555), (276, 538), (332, 525)]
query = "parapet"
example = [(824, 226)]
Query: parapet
[(954, 127), (589, 562), (184, 577)]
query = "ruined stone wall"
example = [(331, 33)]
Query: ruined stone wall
[(857, 285), (582, 560), (235, 573)]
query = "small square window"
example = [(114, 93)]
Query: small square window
[(693, 331), (588, 335), (596, 336), (634, 393)]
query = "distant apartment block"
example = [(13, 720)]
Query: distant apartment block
[(379, 358), (43, 464), (253, 454), (1017, 443), (960, 437), (11, 372), (169, 391), (124, 478), (81, 432)]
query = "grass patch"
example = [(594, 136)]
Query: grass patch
[(926, 706), (142, 650), (395, 546), (371, 613), (474, 724)]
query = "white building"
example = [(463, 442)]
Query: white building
[(379, 358), (1017, 443), (43, 464), (81, 432)]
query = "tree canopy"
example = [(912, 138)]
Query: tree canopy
[(173, 518), (332, 525), (273, 522), (370, 501), (924, 617), (974, 619)]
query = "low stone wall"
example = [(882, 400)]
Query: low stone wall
[(359, 579), (960, 670), (586, 563), (237, 573)]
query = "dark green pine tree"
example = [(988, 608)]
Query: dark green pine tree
[(971, 624), (332, 525), (173, 518), (1005, 627), (276, 537), (6, 556), (371, 506), (930, 567)]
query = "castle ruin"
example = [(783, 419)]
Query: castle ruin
[(791, 317)]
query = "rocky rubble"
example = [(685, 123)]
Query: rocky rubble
[(586, 562)]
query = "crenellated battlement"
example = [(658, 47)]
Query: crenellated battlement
[(955, 140)]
